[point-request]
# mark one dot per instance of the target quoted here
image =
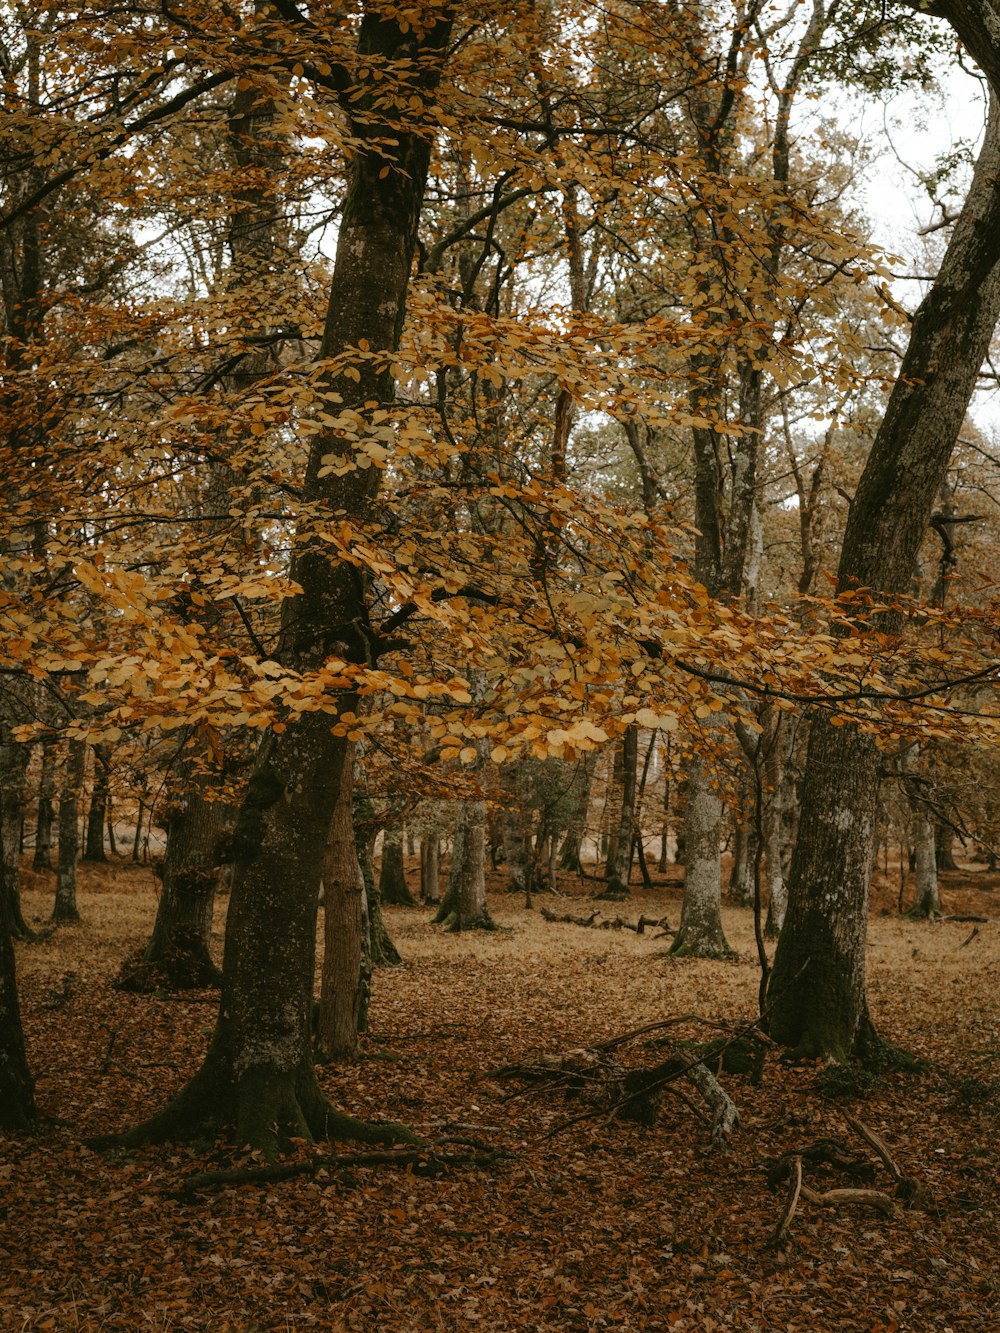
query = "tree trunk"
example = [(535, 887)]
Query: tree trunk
[(259, 1069), (701, 932), (97, 815), (741, 875), (392, 886), (945, 847), (777, 892), (17, 1088), (42, 859), (515, 832), (179, 953), (430, 868), (928, 903), (65, 908), (620, 856), (816, 996), (13, 767), (346, 978), (464, 905)]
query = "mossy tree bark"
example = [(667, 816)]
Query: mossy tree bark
[(816, 996), (259, 1069), (17, 1088)]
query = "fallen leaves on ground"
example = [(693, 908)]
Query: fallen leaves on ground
[(606, 1226)]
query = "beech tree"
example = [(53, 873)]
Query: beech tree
[(816, 994)]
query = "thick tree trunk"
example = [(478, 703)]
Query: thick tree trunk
[(17, 1088), (97, 815), (464, 905), (701, 932), (346, 978), (816, 996), (259, 1069), (42, 859), (515, 832), (65, 908)]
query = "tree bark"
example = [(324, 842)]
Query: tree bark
[(346, 978), (619, 862), (42, 859), (430, 868), (816, 996), (179, 953), (701, 932), (65, 908), (392, 886), (97, 814)]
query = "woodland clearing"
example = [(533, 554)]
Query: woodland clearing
[(604, 1225)]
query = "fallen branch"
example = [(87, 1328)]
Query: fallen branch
[(780, 1232), (596, 922)]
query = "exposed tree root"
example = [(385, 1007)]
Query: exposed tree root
[(423, 1161), (269, 1113)]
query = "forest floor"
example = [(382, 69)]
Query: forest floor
[(605, 1225)]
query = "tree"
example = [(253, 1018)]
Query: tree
[(816, 995), (259, 1069)]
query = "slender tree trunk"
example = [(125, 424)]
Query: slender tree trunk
[(620, 857), (97, 815), (777, 893), (928, 903), (741, 875), (346, 980), (65, 908), (46, 808), (392, 886), (816, 995), (701, 930), (430, 852)]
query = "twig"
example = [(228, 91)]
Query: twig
[(780, 1232)]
